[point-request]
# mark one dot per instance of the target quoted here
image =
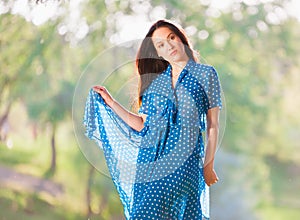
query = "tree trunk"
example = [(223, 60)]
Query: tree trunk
[(53, 151), (88, 192), (3, 123)]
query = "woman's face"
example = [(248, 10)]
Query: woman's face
[(168, 45)]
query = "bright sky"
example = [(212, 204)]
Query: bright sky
[(292, 8), (131, 27)]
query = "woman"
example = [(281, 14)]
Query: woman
[(157, 157)]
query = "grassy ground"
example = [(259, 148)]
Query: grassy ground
[(275, 212), (33, 157), (285, 203), (21, 205)]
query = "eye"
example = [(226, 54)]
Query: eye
[(160, 45), (172, 37)]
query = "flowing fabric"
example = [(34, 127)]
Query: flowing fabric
[(158, 171)]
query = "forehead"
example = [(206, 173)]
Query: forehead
[(161, 33)]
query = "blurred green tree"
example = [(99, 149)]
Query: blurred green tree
[(254, 46)]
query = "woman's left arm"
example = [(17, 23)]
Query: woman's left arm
[(210, 175)]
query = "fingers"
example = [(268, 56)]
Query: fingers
[(215, 181), (210, 178), (98, 88), (210, 183), (101, 90)]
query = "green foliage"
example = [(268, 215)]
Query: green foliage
[(257, 60), (61, 102)]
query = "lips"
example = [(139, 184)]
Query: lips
[(173, 53)]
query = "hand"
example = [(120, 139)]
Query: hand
[(105, 94), (210, 175)]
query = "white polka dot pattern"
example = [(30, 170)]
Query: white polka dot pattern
[(158, 171)]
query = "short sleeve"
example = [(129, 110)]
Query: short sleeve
[(213, 89)]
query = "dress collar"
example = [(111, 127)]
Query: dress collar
[(188, 67)]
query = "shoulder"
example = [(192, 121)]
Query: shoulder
[(201, 70)]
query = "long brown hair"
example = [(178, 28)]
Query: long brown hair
[(149, 64)]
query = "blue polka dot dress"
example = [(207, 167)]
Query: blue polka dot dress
[(158, 171)]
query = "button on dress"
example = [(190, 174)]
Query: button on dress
[(158, 171)]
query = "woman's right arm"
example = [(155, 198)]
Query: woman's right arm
[(133, 120)]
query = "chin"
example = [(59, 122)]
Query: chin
[(176, 60)]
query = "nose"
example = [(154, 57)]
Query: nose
[(170, 45)]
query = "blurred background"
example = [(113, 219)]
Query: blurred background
[(46, 45)]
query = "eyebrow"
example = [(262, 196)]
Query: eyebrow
[(167, 37)]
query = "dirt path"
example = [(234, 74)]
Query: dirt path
[(13, 179)]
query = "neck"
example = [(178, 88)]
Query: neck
[(178, 66)]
